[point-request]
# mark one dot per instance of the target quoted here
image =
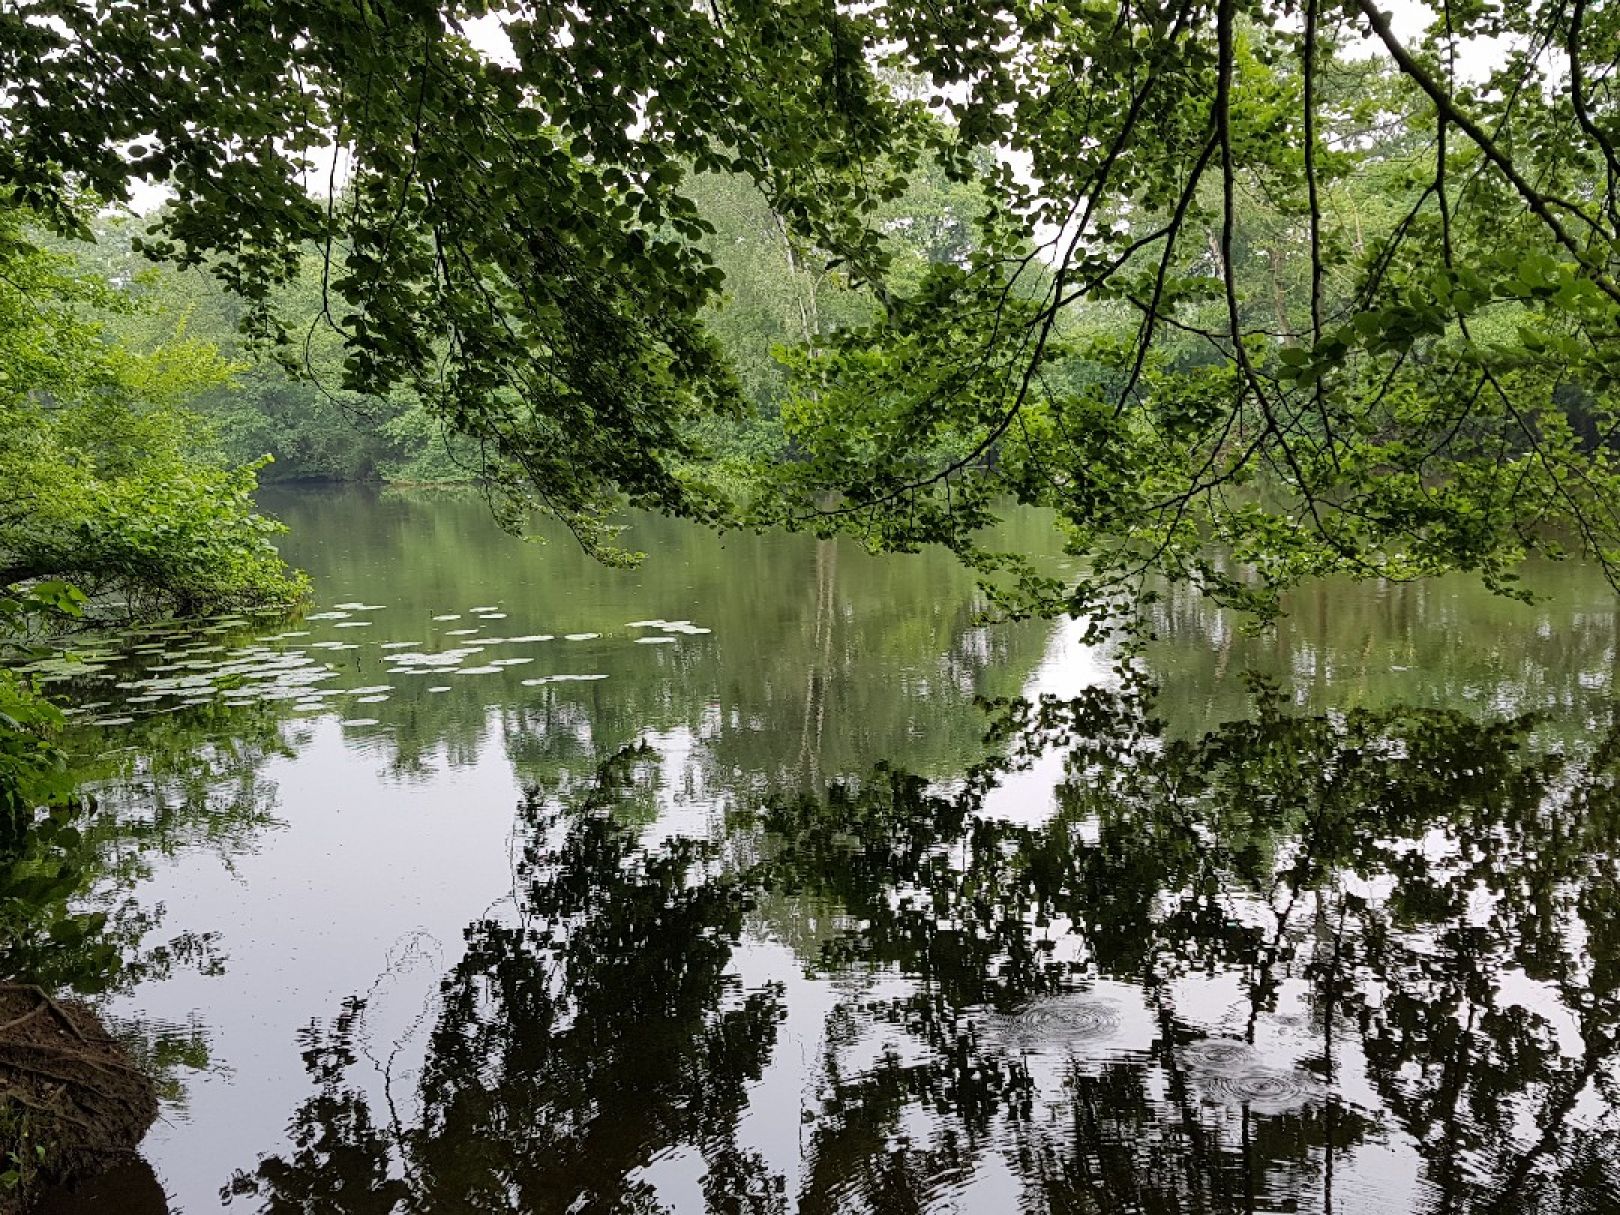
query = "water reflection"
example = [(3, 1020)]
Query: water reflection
[(1282, 960), (1350, 962)]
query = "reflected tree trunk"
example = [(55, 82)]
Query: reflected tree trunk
[(816, 678)]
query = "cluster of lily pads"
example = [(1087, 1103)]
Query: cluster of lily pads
[(186, 666), (666, 628)]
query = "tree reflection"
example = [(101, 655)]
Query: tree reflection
[(574, 1042), (1355, 962)]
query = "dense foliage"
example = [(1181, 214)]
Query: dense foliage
[(110, 482), (1230, 274)]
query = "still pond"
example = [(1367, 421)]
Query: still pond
[(762, 878)]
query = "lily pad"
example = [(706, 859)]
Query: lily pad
[(682, 626)]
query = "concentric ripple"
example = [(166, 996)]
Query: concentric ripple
[(1230, 1072), (1060, 1021), (1220, 1057)]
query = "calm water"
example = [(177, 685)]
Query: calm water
[(505, 882)]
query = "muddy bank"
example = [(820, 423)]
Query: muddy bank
[(73, 1108)]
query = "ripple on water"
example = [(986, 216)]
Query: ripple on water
[(1230, 1072), (1060, 1022), (1219, 1056)]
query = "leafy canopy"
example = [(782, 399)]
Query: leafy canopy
[(1231, 278)]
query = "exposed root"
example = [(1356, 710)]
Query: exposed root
[(71, 1103), (45, 1003)]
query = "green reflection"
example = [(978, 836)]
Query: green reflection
[(817, 659)]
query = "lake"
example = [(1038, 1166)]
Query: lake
[(744, 881)]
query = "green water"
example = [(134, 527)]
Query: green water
[(677, 889)]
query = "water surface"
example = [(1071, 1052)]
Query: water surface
[(506, 882)]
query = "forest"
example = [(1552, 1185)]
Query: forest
[(928, 355)]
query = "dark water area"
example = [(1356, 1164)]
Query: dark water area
[(503, 881)]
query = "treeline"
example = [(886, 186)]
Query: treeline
[(787, 318), (287, 401)]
